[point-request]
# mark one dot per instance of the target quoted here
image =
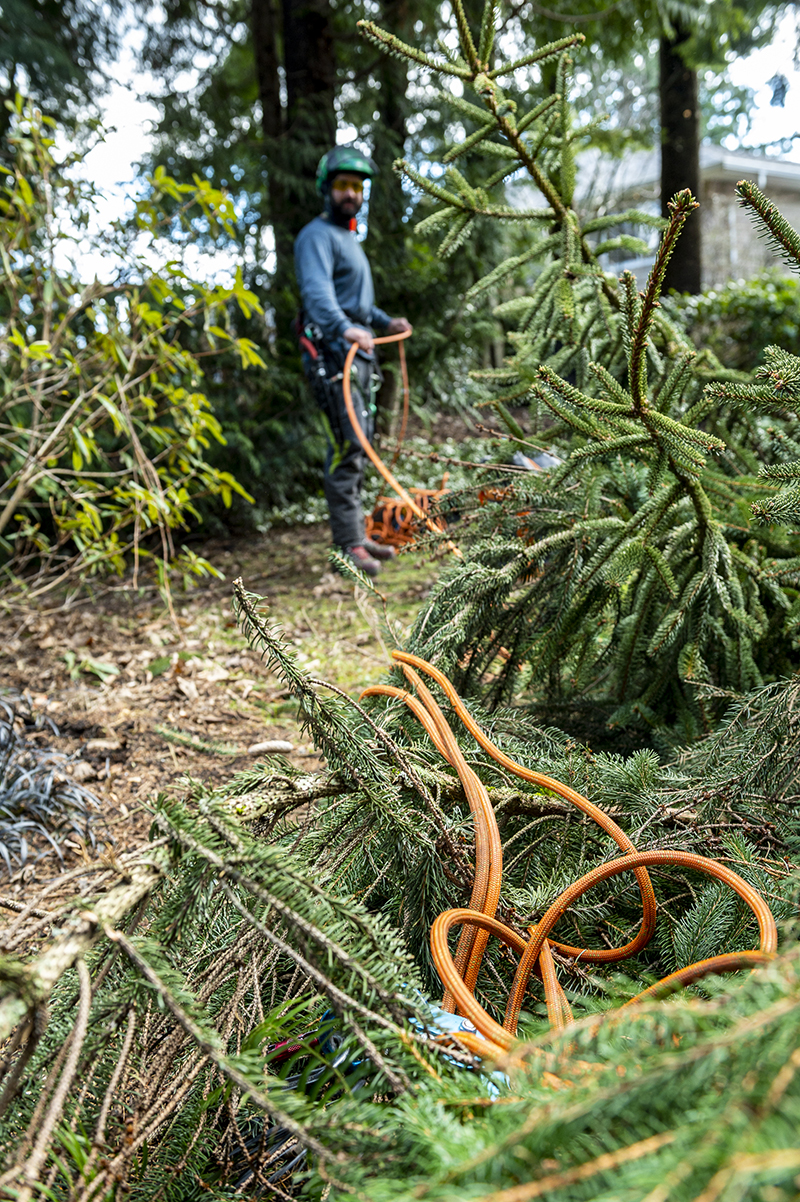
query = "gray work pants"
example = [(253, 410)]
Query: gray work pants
[(345, 460)]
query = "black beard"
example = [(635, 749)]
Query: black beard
[(340, 217)]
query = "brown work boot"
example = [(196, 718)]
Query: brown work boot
[(379, 550), (362, 559)]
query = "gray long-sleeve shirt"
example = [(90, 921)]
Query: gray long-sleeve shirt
[(335, 279)]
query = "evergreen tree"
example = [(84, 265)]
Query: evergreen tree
[(56, 53), (692, 40), (625, 578), (238, 127), (687, 43), (777, 387), (279, 80)]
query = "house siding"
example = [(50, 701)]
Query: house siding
[(731, 248)]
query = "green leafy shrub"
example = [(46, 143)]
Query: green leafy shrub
[(105, 427), (738, 321)]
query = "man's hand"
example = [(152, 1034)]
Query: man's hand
[(362, 337), (398, 325)]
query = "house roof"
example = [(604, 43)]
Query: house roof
[(719, 164), (600, 175)]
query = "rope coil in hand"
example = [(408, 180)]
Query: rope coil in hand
[(477, 922), (372, 455)]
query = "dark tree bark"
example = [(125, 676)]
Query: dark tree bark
[(298, 131), (310, 62), (680, 157), (264, 23), (309, 57)]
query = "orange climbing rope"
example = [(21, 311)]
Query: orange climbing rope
[(393, 483), (401, 351), (392, 522), (459, 975)]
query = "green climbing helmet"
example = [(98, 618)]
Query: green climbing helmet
[(343, 158)]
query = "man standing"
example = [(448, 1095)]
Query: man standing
[(339, 309)]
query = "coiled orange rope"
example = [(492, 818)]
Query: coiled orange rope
[(369, 450), (478, 922), (392, 522)]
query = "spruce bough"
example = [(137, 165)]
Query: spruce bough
[(614, 590)]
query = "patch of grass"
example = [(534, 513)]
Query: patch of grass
[(333, 635), (164, 662)]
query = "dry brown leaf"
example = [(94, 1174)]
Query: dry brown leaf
[(83, 771), (103, 745), (270, 745), (329, 586), (214, 674), (187, 687)]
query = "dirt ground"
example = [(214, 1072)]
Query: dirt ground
[(141, 703)]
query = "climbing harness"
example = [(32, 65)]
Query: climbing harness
[(477, 922)]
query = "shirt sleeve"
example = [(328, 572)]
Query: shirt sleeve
[(313, 256), (378, 318)]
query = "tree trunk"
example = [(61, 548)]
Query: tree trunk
[(265, 26), (680, 156), (297, 130), (309, 56)]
